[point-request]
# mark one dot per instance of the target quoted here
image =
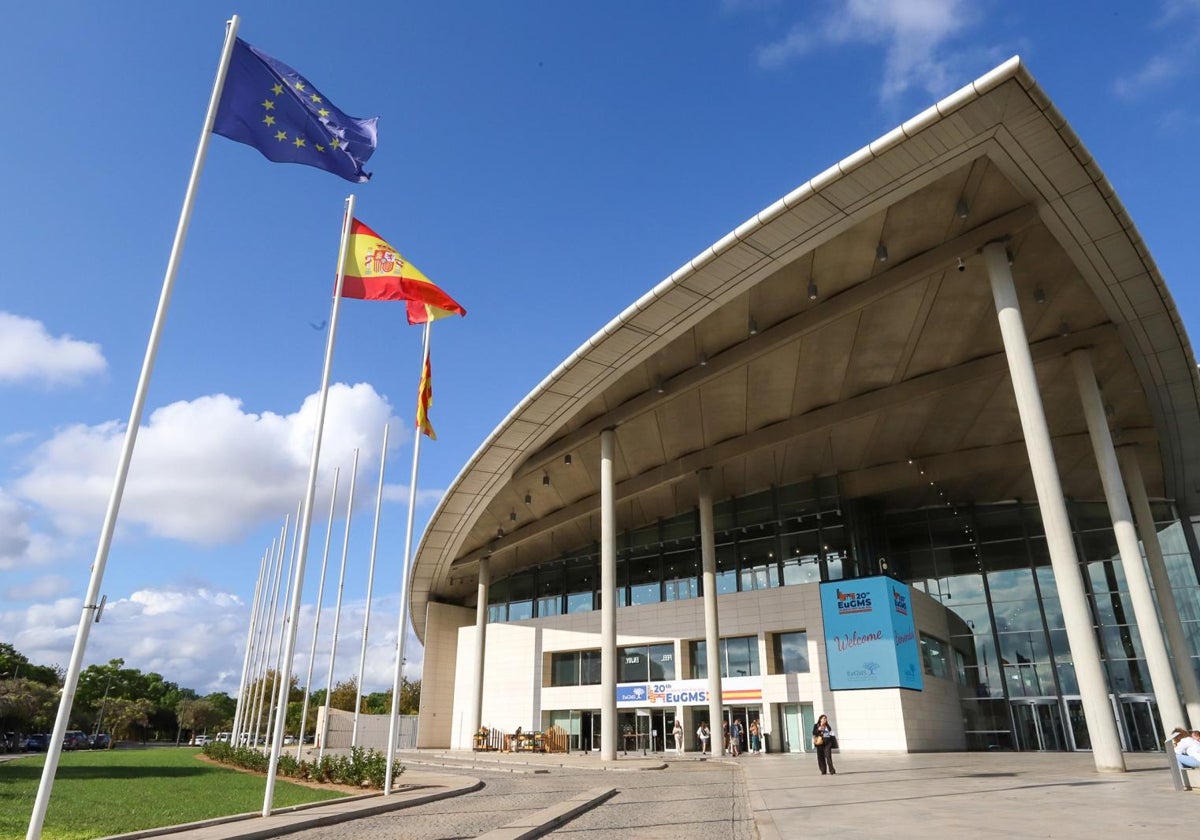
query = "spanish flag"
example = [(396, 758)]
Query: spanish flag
[(373, 270), (425, 400)]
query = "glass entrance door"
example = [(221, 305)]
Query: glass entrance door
[(795, 723), (1141, 730), (1039, 725)]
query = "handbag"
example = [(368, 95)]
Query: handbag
[(818, 740)]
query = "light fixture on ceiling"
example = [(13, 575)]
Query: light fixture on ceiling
[(961, 210), (703, 360), (499, 532), (567, 459), (545, 479), (658, 387), (962, 266), (512, 516), (528, 498), (812, 289), (881, 252), (753, 327), (1039, 295)]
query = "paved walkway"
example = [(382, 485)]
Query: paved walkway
[(772, 797)]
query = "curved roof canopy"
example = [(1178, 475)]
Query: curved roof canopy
[(849, 329)]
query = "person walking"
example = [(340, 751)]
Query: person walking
[(823, 740), (678, 733), (702, 733), (755, 737), (735, 738)]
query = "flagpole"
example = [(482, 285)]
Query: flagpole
[(285, 621), (256, 659), (337, 611), (312, 651), (398, 677), (362, 657), (264, 658), (310, 493), (252, 626), (91, 605)]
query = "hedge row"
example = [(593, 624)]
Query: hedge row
[(362, 768)]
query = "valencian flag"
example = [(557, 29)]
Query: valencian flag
[(425, 400), (373, 270), (268, 105)]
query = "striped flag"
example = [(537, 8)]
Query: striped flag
[(425, 400)]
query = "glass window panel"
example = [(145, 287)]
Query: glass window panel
[(662, 662), (791, 653), (908, 536), (756, 509), (1046, 581), (1024, 648), (522, 587), (641, 538), (634, 664), (644, 578), (580, 602), (564, 668), (760, 570), (935, 656), (1029, 680), (1180, 570), (1129, 676), (520, 610), (1113, 608), (1172, 540), (681, 527), (962, 589), (836, 549), (723, 516), (1011, 585), (550, 580), (947, 531), (1067, 683), (974, 616), (741, 657), (1122, 641), (1097, 545), (698, 653), (986, 716), (914, 565), (549, 606), (726, 569), (797, 500), (1018, 615), (1090, 516), (1052, 609), (497, 613), (806, 569), (589, 667), (681, 573), (1059, 645), (999, 523)]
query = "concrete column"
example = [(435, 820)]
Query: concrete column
[(1158, 661), (1085, 652), (481, 617), (608, 600), (712, 629), (1176, 640)]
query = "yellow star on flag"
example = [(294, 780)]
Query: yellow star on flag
[(300, 86), (268, 104), (319, 147), (269, 120), (315, 98), (323, 113), (278, 89), (281, 135), (336, 142), (298, 142)]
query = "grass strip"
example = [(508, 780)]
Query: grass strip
[(114, 791)]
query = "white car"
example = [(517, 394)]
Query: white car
[(201, 740)]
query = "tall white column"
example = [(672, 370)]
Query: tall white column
[(1176, 640), (712, 629), (481, 615), (608, 600), (1085, 652), (1158, 661)]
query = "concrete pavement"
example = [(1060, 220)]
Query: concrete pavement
[(772, 797)]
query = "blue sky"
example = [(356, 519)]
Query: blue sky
[(544, 163)]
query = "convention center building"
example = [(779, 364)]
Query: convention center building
[(916, 447)]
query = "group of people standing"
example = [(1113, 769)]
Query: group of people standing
[(824, 740)]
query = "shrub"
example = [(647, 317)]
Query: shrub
[(362, 768)]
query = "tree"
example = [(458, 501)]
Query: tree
[(197, 714), (122, 715), (15, 665), (27, 705), (226, 707), (344, 694)]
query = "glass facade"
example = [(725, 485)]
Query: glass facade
[(987, 565)]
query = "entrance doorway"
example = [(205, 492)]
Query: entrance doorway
[(1141, 729), (793, 727), (1039, 725)]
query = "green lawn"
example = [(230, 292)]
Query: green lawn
[(114, 791)]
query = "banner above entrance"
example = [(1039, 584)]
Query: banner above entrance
[(687, 692)]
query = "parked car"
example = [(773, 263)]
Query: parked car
[(224, 737), (75, 739), (100, 741), (37, 743), (201, 740)]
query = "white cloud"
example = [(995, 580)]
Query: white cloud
[(28, 353), (15, 534), (913, 33), (204, 470), (47, 586)]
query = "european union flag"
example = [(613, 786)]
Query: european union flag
[(268, 105)]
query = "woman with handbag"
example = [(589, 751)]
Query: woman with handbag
[(823, 740)]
